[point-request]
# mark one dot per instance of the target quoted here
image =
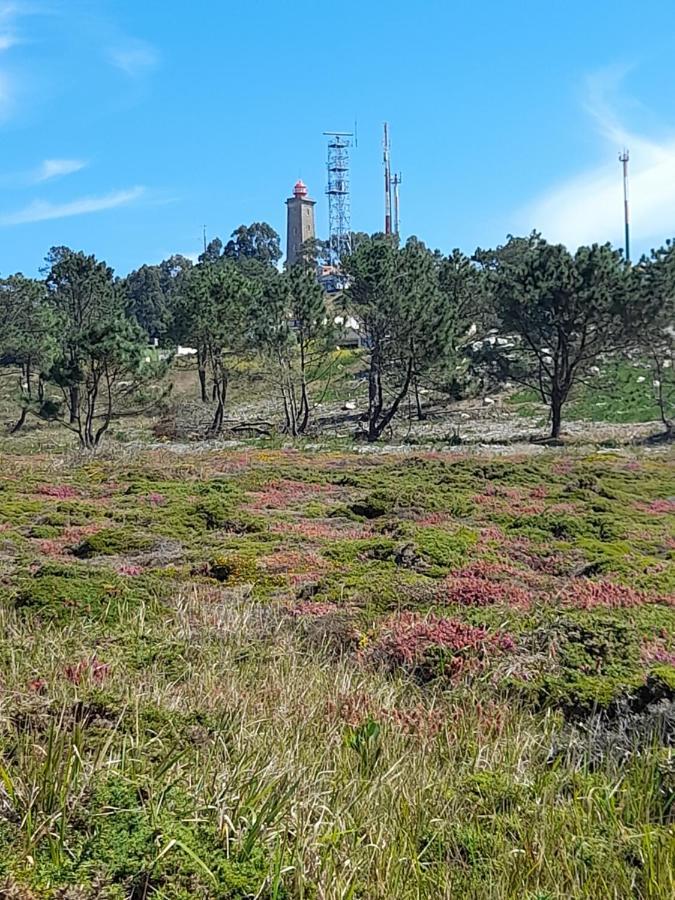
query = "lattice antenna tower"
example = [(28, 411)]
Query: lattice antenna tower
[(339, 197)]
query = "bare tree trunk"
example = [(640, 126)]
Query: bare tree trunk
[(660, 398), (220, 386), (74, 404), (20, 422), (201, 369), (374, 395), (556, 415), (29, 379), (378, 427), (304, 409), (418, 402), (107, 417), (303, 413)]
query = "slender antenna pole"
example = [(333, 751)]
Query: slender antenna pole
[(623, 158), (387, 182), (205, 239), (396, 181)]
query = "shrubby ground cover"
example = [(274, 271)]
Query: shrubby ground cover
[(283, 673)]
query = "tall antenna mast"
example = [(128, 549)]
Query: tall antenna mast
[(623, 159), (387, 182), (339, 196), (396, 181)]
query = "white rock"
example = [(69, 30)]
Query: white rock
[(488, 401), (594, 370), (656, 383), (350, 404), (667, 363), (641, 378)]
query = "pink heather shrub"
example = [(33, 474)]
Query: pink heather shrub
[(315, 529), (566, 507), (531, 508), (659, 506), (130, 570), (500, 490), (58, 491), (656, 652), (281, 494), (432, 518), (298, 579), (586, 594), (485, 568), (155, 499), (491, 533), (471, 590), (488, 502), (234, 462), (291, 561), (69, 537), (311, 609), (410, 641), (540, 492), (495, 499), (91, 668)]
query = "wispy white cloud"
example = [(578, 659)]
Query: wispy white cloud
[(7, 41), (134, 57), (589, 206), (56, 168), (41, 211)]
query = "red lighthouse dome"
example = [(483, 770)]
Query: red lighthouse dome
[(300, 189)]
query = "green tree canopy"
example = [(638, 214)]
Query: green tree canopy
[(563, 311), (655, 333), (101, 364), (258, 241), (28, 337), (394, 295)]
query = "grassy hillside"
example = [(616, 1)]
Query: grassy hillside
[(276, 674), (283, 674)]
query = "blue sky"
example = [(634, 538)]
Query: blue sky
[(127, 126)]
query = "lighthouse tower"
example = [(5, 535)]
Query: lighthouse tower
[(300, 222)]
